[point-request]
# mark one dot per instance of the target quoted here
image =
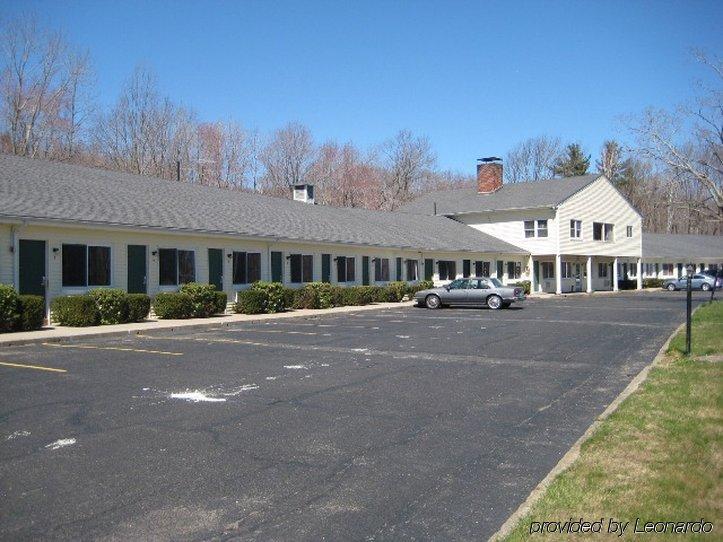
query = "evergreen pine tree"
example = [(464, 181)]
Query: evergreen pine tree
[(572, 162)]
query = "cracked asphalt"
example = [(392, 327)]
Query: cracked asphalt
[(394, 424)]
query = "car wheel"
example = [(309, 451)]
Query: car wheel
[(671, 287), (494, 302), (705, 287), (433, 301)]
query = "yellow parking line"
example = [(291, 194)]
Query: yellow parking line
[(119, 348), (39, 368)]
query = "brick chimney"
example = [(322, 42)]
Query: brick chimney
[(489, 175)]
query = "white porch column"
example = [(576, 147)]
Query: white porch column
[(558, 274), (533, 282), (615, 275), (640, 274), (589, 274)]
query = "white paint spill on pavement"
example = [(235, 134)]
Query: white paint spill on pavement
[(197, 397), (18, 434), (295, 367), (61, 443)]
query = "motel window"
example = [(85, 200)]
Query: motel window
[(482, 269), (176, 266), (629, 231), (567, 270), (85, 265), (542, 228), (667, 269), (576, 229), (548, 270), (602, 232), (412, 270), (447, 269), (514, 270), (302, 267), (529, 228), (381, 269), (602, 270), (345, 269), (246, 267)]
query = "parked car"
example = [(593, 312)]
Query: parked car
[(475, 291), (698, 282)]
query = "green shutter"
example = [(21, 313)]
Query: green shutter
[(326, 268), (466, 268), (277, 270), (137, 283), (399, 269), (365, 270), (500, 269), (428, 269), (215, 267)]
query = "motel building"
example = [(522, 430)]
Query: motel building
[(580, 233), (65, 229)]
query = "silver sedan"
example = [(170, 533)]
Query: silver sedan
[(699, 281), (475, 291)]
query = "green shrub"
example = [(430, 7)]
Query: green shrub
[(75, 311), (203, 298), (315, 295), (275, 295), (112, 305), (173, 305), (526, 285), (397, 290), (627, 284), (139, 305), (337, 296), (220, 303), (421, 285), (251, 301), (32, 312), (9, 308), (289, 296), (652, 283)]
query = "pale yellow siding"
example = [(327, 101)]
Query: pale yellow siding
[(599, 202), (510, 227)]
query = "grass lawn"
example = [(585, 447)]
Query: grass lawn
[(659, 456)]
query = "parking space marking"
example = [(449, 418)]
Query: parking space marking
[(540, 320), (290, 332), (118, 348), (394, 354), (36, 367)]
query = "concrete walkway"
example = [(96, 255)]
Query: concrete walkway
[(62, 333)]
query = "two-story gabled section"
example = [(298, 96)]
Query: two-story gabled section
[(581, 233)]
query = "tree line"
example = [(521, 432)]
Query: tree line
[(672, 174)]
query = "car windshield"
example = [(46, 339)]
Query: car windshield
[(496, 282)]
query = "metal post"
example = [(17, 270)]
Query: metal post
[(688, 308)]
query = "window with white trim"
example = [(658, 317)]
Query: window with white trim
[(629, 231), (447, 269), (548, 270), (176, 266), (514, 270), (302, 268), (602, 231), (85, 265), (381, 269), (246, 267), (576, 229), (602, 270), (529, 228), (345, 269), (668, 269), (542, 228), (566, 270)]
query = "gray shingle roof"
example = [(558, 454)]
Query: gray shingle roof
[(682, 248), (527, 195), (40, 189)]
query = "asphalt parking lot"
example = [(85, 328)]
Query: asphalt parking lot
[(383, 425)]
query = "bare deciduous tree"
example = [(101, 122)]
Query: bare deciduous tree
[(407, 159), (287, 158), (532, 159)]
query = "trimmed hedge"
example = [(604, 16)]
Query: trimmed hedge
[(139, 305), (627, 284), (203, 298), (112, 305), (75, 311), (32, 312), (397, 290), (315, 295), (173, 305), (9, 308), (526, 285), (220, 302), (276, 295), (251, 302), (652, 283), (421, 285)]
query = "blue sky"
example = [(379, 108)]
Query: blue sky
[(475, 77)]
